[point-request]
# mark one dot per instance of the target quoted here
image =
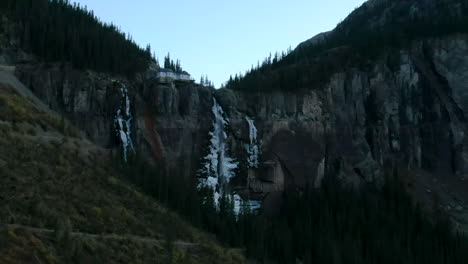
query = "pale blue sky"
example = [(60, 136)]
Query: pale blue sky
[(221, 38)]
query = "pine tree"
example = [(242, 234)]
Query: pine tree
[(167, 61), (178, 68)]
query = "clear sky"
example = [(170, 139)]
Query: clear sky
[(221, 38)]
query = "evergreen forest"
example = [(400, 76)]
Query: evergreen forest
[(355, 43), (57, 31), (332, 225)]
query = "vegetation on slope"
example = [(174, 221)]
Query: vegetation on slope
[(55, 30), (52, 182), (377, 27), (49, 181), (331, 225), (336, 225)]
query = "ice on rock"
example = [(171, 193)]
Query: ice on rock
[(254, 205), (252, 130), (122, 123), (217, 163), (219, 168), (252, 147), (216, 198), (249, 205), (237, 204)]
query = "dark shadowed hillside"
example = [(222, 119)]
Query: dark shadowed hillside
[(58, 31), (64, 200), (352, 148), (377, 28)]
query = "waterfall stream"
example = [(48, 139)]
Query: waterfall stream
[(122, 122), (252, 148), (219, 168)]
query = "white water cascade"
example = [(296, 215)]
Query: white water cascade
[(219, 167), (122, 123), (252, 147)]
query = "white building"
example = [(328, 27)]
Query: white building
[(168, 75)]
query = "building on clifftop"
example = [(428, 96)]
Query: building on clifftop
[(168, 76)]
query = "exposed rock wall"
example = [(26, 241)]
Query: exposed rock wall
[(88, 99), (174, 121), (407, 111), (403, 115), (170, 122)]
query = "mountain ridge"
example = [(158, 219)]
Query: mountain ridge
[(64, 199), (329, 114)]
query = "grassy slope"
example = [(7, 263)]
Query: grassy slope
[(54, 181)]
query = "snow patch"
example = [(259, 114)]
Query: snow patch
[(241, 205), (237, 204), (253, 205)]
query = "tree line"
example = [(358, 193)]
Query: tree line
[(58, 31), (331, 225), (170, 64), (356, 42)]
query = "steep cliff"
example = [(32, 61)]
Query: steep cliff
[(406, 111), (400, 112), (404, 115), (63, 199), (169, 123)]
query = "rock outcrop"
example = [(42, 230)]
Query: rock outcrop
[(405, 115), (87, 99), (408, 111), (170, 122), (173, 122)]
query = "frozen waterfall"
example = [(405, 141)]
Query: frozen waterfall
[(218, 167), (252, 147), (122, 122)]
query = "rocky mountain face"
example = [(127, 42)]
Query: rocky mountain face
[(169, 123), (404, 114)]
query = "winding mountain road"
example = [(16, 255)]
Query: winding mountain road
[(146, 240), (7, 76)]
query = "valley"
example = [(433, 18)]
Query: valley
[(351, 148)]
